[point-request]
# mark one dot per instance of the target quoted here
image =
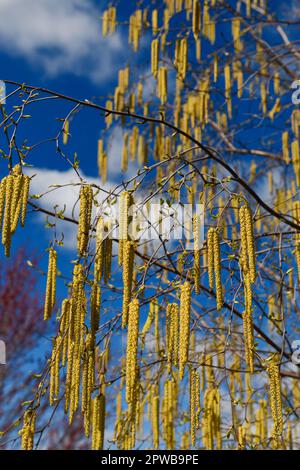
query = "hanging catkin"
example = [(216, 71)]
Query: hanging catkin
[(154, 57), (128, 262), (126, 202), (28, 430), (210, 257), (155, 417), (194, 404), (132, 349), (196, 19), (184, 331), (102, 156), (54, 371), (85, 213), (162, 85), (6, 229), (197, 252), (98, 421), (273, 370), (51, 284), (217, 270), (172, 339)]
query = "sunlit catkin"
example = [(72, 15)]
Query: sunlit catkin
[(155, 418), (2, 199), (98, 422), (217, 269), (197, 253), (184, 330), (128, 261), (194, 404), (51, 284), (54, 371), (210, 257), (85, 212), (196, 18), (154, 57), (25, 195), (28, 430), (172, 338), (16, 203), (273, 369), (250, 243), (6, 229), (132, 349)]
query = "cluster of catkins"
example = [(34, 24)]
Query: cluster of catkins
[(14, 191)]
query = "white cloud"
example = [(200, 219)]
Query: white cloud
[(59, 36)]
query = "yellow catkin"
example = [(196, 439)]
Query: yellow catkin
[(184, 331), (248, 323), (98, 422), (196, 19), (64, 329), (155, 22), (227, 74), (128, 261), (6, 229), (25, 195), (54, 372), (85, 213), (250, 243), (172, 338), (95, 307), (212, 419), (99, 254), (66, 131), (124, 220), (2, 199), (132, 349), (28, 430), (51, 284), (285, 147), (16, 203), (210, 257), (102, 157), (273, 370), (263, 94), (241, 435), (162, 85), (194, 404), (155, 418), (217, 269), (154, 57), (295, 151), (197, 252)]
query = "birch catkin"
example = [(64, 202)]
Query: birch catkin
[(51, 284), (194, 404), (98, 422), (128, 261), (132, 349), (172, 335), (273, 370), (184, 331), (6, 229), (28, 430), (217, 269), (85, 213)]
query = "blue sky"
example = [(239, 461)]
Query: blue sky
[(58, 44)]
